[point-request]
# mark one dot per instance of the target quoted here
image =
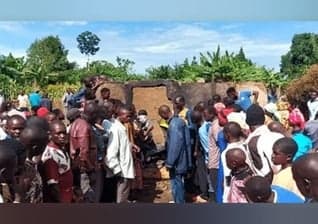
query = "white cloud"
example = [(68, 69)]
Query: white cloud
[(69, 23), (165, 44)]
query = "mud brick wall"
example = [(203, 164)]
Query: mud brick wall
[(149, 95)]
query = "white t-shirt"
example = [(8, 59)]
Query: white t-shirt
[(23, 101)]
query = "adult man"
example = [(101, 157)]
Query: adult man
[(46, 102), (208, 138), (23, 101), (178, 152), (181, 110), (35, 100), (260, 142), (83, 151), (57, 166), (311, 130), (34, 139), (312, 104), (66, 97), (305, 173), (14, 127), (119, 159), (243, 97)]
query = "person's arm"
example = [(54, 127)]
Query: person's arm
[(174, 140), (111, 158), (84, 139), (52, 179)]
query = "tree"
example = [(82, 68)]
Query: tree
[(303, 53), (46, 57), (88, 44)]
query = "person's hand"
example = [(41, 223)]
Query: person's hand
[(135, 148)]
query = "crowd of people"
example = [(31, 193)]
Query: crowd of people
[(228, 150)]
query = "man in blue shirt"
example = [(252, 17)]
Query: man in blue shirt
[(178, 147), (35, 99), (243, 97)]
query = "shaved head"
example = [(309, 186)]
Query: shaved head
[(164, 112), (305, 173), (235, 158)]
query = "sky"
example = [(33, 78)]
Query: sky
[(160, 43)]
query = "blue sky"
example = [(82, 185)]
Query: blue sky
[(156, 43)]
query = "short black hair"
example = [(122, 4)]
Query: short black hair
[(211, 110), (258, 189), (286, 145), (142, 112), (217, 98), (181, 99), (230, 90), (228, 101), (233, 129)]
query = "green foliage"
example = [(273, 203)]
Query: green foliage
[(88, 44), (218, 67), (303, 53), (45, 58)]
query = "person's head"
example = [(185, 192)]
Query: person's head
[(257, 190), (313, 94), (109, 109), (228, 101), (59, 114), (196, 117), (276, 126), (124, 114), (200, 106), (90, 111), (284, 150), (73, 114), (296, 120), (34, 140), (255, 116), (45, 95), (235, 159), (8, 162), (105, 93), (217, 98), (305, 173), (179, 103), (15, 125), (58, 133), (209, 113), (116, 105), (87, 82), (38, 123), (164, 112), (22, 93), (232, 93), (142, 112), (232, 131), (50, 117)]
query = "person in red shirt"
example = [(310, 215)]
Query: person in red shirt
[(57, 166)]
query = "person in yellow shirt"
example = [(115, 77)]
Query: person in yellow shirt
[(284, 151), (181, 110)]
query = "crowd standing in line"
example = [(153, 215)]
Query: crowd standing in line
[(228, 150)]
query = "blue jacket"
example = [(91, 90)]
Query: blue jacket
[(178, 146)]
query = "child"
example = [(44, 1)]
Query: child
[(284, 151), (297, 123), (259, 190), (240, 172)]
